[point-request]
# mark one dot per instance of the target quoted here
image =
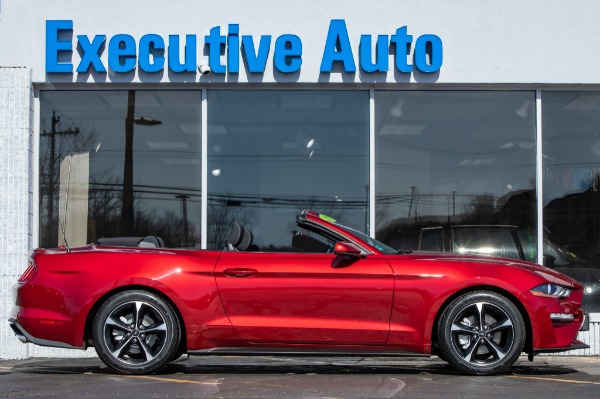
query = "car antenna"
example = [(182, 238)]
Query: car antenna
[(64, 223)]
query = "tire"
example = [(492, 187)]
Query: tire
[(136, 332), (481, 333)]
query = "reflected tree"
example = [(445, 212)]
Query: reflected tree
[(57, 142), (220, 218), (481, 209)]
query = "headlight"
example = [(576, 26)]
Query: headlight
[(551, 291)]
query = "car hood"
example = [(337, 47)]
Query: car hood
[(547, 273)]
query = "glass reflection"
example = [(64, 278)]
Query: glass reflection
[(571, 154), (451, 159), (134, 170), (272, 154)]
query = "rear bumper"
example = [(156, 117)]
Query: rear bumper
[(25, 337)]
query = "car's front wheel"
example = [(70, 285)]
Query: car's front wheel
[(481, 333), (136, 332)]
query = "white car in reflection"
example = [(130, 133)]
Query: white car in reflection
[(502, 240)]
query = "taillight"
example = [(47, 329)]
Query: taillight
[(29, 272)]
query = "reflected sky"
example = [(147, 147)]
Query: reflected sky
[(436, 152)]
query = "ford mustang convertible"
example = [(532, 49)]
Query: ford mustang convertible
[(335, 292)]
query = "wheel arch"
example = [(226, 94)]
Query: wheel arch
[(91, 316), (528, 348)]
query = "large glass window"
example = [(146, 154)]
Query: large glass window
[(571, 156), (453, 158), (120, 164), (272, 154)]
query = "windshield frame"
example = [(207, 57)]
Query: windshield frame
[(381, 247)]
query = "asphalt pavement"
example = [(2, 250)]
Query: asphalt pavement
[(300, 377)]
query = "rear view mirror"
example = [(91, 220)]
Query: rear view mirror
[(343, 248)]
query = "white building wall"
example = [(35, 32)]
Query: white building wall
[(15, 193)]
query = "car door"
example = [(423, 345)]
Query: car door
[(306, 298)]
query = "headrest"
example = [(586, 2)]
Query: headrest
[(240, 237), (151, 242), (236, 234), (246, 242)]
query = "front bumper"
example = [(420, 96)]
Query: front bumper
[(551, 331), (574, 345)]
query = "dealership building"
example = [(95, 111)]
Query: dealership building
[(450, 126)]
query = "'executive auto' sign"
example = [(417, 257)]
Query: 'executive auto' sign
[(153, 53)]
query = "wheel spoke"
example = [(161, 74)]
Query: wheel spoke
[(116, 323), (501, 325), (459, 328), (146, 349), (138, 315), (158, 327), (471, 350), (480, 316), (498, 352), (119, 349)]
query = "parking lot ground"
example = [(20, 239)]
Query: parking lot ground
[(301, 377)]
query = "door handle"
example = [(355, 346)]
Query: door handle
[(240, 272)]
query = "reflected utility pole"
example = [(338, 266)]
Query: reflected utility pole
[(453, 203), (127, 212), (126, 223), (51, 168), (412, 198), (184, 198)]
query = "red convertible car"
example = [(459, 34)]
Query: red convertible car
[(339, 292)]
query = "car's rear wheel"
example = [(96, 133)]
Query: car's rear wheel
[(136, 332), (481, 333)]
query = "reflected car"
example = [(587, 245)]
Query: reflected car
[(506, 241), (340, 292)]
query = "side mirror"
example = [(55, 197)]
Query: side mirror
[(343, 248)]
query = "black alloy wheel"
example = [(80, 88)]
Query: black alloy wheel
[(136, 332), (481, 333)]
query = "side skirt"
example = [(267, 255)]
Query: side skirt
[(242, 351)]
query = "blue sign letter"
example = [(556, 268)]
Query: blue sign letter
[(90, 53), (233, 48), (189, 63), (149, 43), (381, 55), (54, 46), (121, 53), (256, 60), (214, 41), (288, 53), (337, 47), (402, 41), (436, 55)]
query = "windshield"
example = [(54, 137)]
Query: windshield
[(371, 241)]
